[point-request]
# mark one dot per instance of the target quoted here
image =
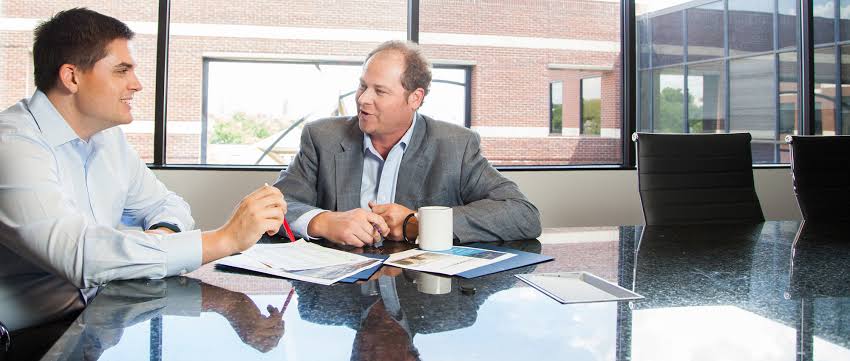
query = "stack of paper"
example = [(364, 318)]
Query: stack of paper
[(300, 260)]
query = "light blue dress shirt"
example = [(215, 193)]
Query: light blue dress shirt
[(63, 200), (379, 179)]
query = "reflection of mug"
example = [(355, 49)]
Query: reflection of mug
[(432, 284), (435, 228)]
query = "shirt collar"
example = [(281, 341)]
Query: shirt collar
[(404, 141), (50, 122)]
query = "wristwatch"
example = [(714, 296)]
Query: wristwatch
[(170, 226), (410, 219)]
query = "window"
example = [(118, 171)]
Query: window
[(241, 73), (19, 18), (591, 100), (731, 71), (263, 126), (528, 60), (556, 107)]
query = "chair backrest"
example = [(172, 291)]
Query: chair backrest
[(696, 178), (820, 169), (5, 340)]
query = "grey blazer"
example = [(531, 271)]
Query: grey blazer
[(442, 165)]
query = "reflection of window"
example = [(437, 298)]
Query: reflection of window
[(556, 107), (591, 102), (254, 110)]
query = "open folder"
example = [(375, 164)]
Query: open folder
[(520, 259)]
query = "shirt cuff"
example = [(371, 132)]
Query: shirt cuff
[(300, 225), (183, 252)]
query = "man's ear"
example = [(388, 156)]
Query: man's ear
[(415, 98), (68, 77)]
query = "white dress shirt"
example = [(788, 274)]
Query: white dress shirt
[(379, 179), (62, 200)]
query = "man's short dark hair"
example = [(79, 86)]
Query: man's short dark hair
[(77, 36), (417, 69)]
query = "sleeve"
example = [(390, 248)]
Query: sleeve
[(40, 224), (298, 182), (494, 208), (148, 200)]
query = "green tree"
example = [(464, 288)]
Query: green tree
[(668, 116), (591, 118)]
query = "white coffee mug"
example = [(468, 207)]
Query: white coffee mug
[(435, 228), (433, 284)]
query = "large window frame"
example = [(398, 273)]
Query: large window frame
[(628, 83)]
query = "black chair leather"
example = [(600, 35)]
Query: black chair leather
[(5, 340), (820, 167), (696, 178)]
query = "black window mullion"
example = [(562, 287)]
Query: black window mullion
[(413, 20), (628, 77), (806, 59), (160, 100)]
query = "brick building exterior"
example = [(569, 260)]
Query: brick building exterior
[(513, 50)]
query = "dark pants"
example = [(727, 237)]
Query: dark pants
[(32, 343)]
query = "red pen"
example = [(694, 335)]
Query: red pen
[(286, 226), (288, 230)]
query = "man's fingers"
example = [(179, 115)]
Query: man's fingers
[(379, 221)]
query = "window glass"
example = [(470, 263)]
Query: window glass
[(706, 98), (518, 51), (556, 91), (591, 99), (825, 91), (824, 21), (752, 104), (241, 74), (705, 31), (750, 26), (19, 18), (746, 85), (667, 45)]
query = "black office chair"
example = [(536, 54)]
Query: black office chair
[(820, 167), (5, 341), (696, 178)]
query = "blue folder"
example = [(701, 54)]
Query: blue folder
[(366, 273), (521, 259)]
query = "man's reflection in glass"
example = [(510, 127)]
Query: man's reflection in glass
[(123, 305)]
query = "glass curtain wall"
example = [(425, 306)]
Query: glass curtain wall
[(717, 67)]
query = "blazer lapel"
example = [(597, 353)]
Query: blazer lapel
[(412, 171), (349, 169)]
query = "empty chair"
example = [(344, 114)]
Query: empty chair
[(696, 178), (820, 167)]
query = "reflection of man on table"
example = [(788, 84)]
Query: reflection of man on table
[(357, 178), (123, 305)]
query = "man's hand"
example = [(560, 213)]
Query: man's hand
[(357, 227), (260, 212), (394, 215)]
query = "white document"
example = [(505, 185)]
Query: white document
[(325, 275), (450, 262), (300, 255)]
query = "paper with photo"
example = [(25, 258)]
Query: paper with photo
[(324, 275), (300, 255), (450, 262)]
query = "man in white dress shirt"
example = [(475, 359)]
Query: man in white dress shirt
[(69, 179)]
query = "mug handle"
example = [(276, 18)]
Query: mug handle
[(404, 227)]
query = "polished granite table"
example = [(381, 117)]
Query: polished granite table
[(772, 291)]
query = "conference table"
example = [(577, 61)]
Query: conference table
[(777, 290)]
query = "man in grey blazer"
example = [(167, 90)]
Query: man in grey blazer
[(356, 179)]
